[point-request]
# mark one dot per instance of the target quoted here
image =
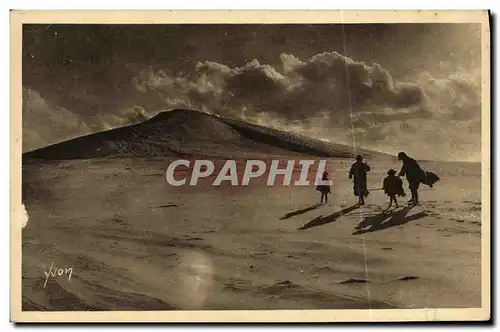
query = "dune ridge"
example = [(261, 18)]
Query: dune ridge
[(180, 133)]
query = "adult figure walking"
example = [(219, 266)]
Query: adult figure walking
[(358, 174), (414, 175)]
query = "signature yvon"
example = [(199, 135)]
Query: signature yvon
[(54, 272)]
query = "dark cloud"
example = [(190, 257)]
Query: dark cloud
[(88, 67), (398, 81), (339, 91), (327, 82)]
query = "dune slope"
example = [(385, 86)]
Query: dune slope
[(185, 132)]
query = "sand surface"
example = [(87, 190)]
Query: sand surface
[(135, 243)]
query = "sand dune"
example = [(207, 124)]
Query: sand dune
[(191, 133), (135, 243)]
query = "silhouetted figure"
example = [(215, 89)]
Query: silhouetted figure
[(393, 186), (324, 189), (414, 175), (358, 174)]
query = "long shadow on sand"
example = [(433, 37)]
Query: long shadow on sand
[(387, 219), (328, 219), (302, 211)]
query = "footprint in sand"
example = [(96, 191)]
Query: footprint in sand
[(407, 278), (193, 238), (166, 206), (235, 285), (353, 281), (119, 221)]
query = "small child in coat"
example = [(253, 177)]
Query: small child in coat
[(324, 189), (393, 186)]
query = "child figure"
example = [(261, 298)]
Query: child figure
[(324, 189), (393, 186)]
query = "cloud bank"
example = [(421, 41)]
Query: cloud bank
[(333, 97), (328, 96), (45, 124)]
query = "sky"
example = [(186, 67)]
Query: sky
[(389, 87)]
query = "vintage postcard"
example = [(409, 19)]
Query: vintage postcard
[(250, 166)]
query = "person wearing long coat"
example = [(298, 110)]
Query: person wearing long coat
[(358, 174), (414, 175)]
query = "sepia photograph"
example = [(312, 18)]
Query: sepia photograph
[(329, 166)]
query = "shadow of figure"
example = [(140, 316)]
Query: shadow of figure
[(387, 219), (328, 219), (296, 213)]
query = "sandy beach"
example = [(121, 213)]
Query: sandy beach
[(135, 243)]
